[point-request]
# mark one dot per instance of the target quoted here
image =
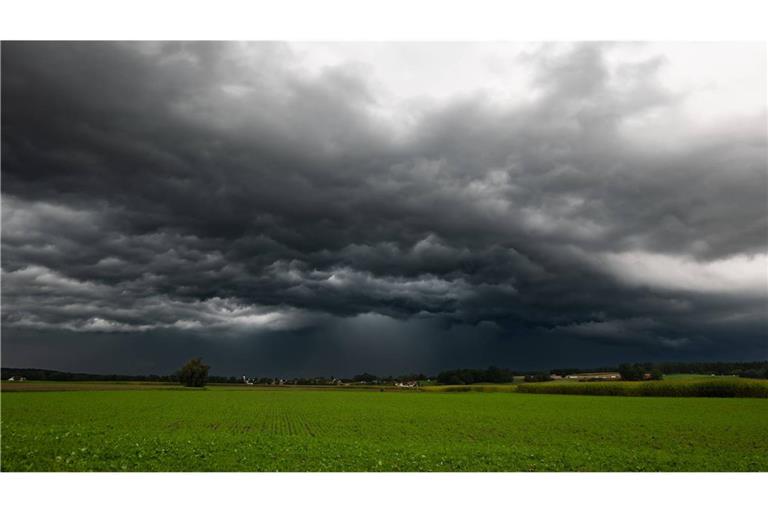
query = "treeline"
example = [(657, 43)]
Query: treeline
[(717, 368), (39, 374), (472, 376), (750, 369), (56, 375), (628, 371), (757, 373), (639, 371), (492, 374)]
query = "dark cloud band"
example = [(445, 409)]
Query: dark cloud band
[(216, 187)]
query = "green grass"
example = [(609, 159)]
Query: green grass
[(726, 387), (295, 430), (486, 388)]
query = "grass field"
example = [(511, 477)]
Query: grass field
[(485, 388), (222, 429)]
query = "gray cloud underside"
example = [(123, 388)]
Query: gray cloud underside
[(222, 186)]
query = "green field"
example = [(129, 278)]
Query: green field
[(222, 429), (484, 388)]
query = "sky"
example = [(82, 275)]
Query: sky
[(306, 209)]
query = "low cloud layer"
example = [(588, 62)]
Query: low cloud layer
[(234, 195)]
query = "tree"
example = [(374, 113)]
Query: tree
[(631, 371), (194, 374), (498, 375)]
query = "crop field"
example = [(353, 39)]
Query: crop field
[(696, 386), (222, 429)]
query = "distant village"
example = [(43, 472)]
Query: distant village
[(320, 381), (492, 374)]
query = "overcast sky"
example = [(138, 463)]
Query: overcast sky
[(318, 209)]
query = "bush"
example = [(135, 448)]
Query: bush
[(194, 374)]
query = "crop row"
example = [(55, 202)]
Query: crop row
[(731, 388)]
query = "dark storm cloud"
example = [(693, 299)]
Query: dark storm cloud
[(223, 188)]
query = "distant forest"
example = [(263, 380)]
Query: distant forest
[(753, 369)]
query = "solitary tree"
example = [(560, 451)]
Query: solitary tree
[(194, 374)]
